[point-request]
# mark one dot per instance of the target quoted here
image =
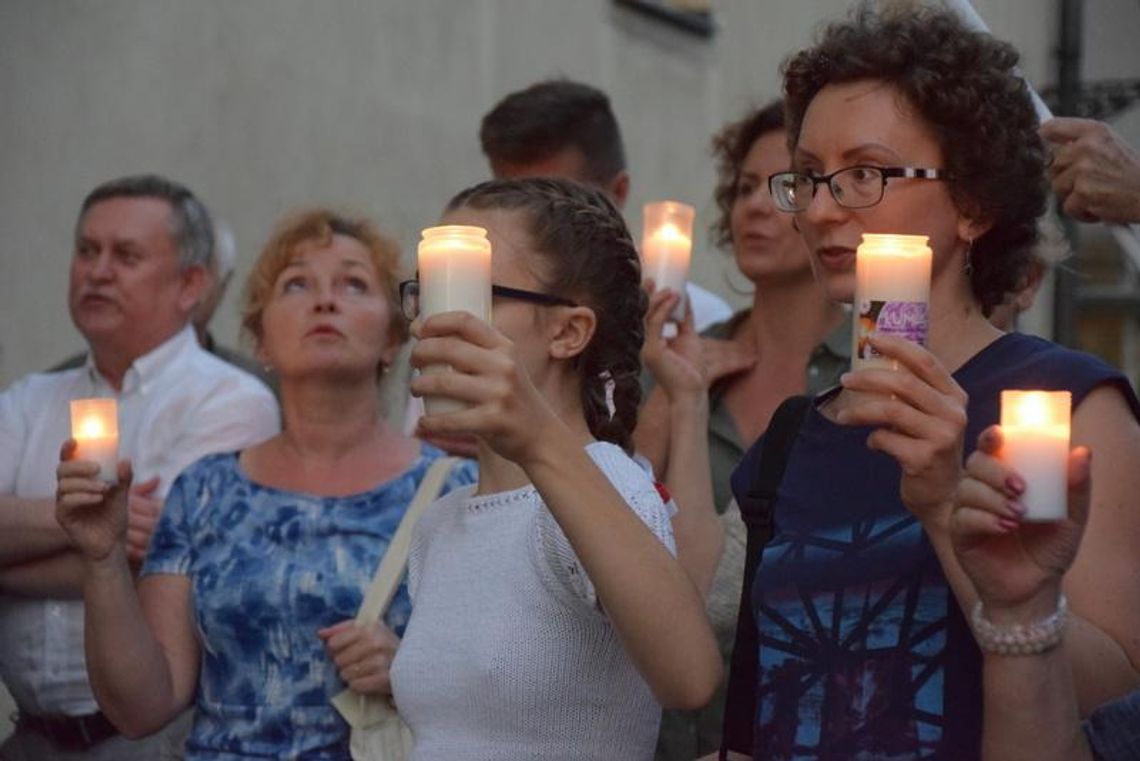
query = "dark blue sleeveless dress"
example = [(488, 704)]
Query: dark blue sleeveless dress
[(864, 653)]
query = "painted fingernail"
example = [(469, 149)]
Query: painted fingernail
[(1008, 524), (1015, 508), (1015, 484)]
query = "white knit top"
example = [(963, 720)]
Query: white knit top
[(507, 654)]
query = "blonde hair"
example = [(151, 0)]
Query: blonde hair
[(319, 226)]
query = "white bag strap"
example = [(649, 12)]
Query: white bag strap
[(362, 711), (395, 560)]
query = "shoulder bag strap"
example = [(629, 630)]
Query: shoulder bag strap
[(395, 560), (757, 511), (361, 711)]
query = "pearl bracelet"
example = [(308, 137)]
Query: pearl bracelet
[(1020, 639)]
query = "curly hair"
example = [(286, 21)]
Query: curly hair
[(590, 258), (964, 86), (319, 226), (729, 148)]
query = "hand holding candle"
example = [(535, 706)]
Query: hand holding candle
[(1035, 442), (454, 264), (95, 428), (892, 293), (667, 248)]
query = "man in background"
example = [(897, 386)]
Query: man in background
[(219, 272), (143, 245), (562, 128)]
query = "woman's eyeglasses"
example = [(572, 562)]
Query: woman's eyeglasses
[(853, 187), (410, 297)]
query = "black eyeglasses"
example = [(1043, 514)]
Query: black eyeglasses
[(410, 297), (853, 187)]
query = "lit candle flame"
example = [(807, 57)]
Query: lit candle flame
[(91, 427), (1032, 411), (671, 233)]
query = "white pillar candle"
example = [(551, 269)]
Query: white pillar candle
[(95, 428), (1035, 443), (892, 293), (454, 263), (667, 247)]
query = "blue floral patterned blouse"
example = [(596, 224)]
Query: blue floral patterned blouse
[(268, 568)]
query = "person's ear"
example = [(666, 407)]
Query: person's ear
[(572, 331), (392, 346), (619, 189), (972, 229), (259, 352), (193, 286)]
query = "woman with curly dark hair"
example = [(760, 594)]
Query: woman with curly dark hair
[(908, 122), (551, 618)]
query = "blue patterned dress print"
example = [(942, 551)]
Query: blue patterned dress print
[(268, 568)]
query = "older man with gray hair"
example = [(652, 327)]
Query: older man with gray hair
[(219, 271), (142, 248)]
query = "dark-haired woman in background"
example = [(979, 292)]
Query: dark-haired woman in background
[(550, 616), (909, 123), (794, 340)]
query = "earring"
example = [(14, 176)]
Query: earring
[(970, 258)]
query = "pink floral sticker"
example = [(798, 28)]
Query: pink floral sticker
[(907, 319)]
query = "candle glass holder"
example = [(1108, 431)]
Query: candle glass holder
[(892, 294), (454, 265), (1035, 427), (667, 247), (95, 428)]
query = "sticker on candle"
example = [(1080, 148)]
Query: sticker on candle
[(454, 265), (1035, 428), (892, 293), (667, 247), (95, 428), (905, 319)]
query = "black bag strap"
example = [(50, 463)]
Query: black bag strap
[(757, 508)]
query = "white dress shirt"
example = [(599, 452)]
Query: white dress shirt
[(177, 404)]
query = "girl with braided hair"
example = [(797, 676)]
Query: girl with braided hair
[(551, 617)]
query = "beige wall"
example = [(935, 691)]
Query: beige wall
[(267, 105)]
